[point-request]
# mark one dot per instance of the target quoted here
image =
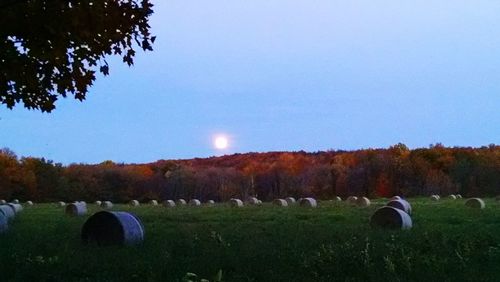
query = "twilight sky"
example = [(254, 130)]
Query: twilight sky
[(284, 75)]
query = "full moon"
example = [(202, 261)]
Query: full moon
[(221, 142)]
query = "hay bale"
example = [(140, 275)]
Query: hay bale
[(458, 196), (134, 203), (236, 203), (29, 203), (280, 203), (8, 212), (3, 202), (395, 198), (4, 223), (363, 202), (434, 197), (16, 207), (390, 218), (169, 204), (290, 200), (98, 203), (475, 203), (107, 205), (452, 197), (194, 202), (308, 202), (15, 201), (76, 209), (400, 204), (153, 202), (181, 202), (338, 199), (352, 200), (61, 204), (210, 202), (113, 228), (252, 201)]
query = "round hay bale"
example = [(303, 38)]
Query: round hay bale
[(452, 197), (363, 202), (435, 197), (280, 203), (153, 202), (396, 198), (134, 203), (112, 228), (338, 199), (3, 202), (390, 218), (107, 205), (475, 203), (29, 203), (181, 202), (16, 207), (352, 200), (290, 200), (252, 201), (76, 209), (15, 201), (169, 204), (308, 202), (400, 204), (236, 203), (210, 202), (194, 202), (8, 212), (61, 204), (458, 196), (98, 203), (4, 223)]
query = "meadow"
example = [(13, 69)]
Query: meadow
[(334, 242)]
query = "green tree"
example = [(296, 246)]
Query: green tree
[(53, 48)]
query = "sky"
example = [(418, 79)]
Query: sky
[(283, 75)]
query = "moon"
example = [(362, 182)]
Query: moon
[(221, 142)]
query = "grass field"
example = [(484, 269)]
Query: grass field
[(333, 242)]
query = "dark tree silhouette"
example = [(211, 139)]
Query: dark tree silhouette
[(53, 48)]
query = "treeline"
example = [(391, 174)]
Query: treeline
[(370, 172)]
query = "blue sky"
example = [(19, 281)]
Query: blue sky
[(284, 75)]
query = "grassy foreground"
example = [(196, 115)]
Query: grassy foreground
[(333, 242)]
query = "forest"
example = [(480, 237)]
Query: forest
[(396, 170)]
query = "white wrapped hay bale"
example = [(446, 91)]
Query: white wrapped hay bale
[(61, 204), (475, 203), (3, 202), (236, 203), (280, 203), (363, 202), (400, 204), (308, 202), (76, 209), (458, 196), (98, 203), (252, 201), (290, 200), (113, 228), (390, 218), (434, 197), (15, 201), (17, 208), (395, 198), (8, 212), (29, 203), (181, 202), (338, 199), (169, 204), (352, 200), (210, 202), (134, 203), (194, 202), (107, 205), (153, 202), (452, 197)]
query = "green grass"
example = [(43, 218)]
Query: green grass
[(333, 242)]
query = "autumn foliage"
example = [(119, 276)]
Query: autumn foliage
[(370, 172)]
